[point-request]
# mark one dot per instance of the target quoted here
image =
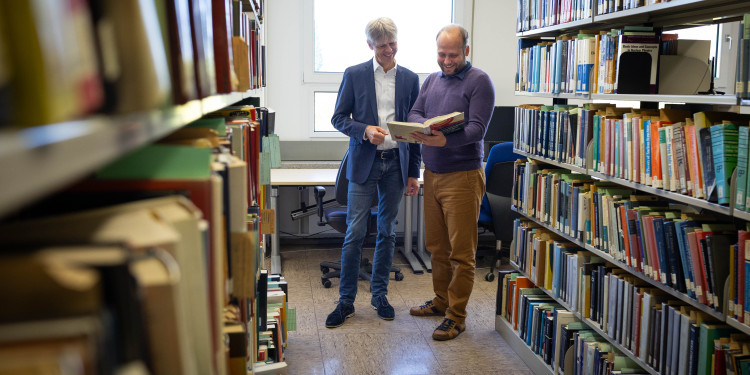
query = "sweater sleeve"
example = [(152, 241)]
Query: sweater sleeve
[(481, 93)]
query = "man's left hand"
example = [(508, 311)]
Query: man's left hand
[(412, 186), (437, 139)]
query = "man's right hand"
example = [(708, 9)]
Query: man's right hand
[(375, 134)]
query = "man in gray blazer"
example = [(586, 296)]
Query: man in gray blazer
[(370, 95)]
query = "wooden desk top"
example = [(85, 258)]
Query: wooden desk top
[(308, 177), (303, 177)]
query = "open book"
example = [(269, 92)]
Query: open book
[(450, 123)]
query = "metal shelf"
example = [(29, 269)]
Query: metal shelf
[(697, 99), (739, 326), (741, 215), (673, 13), (609, 258), (553, 162), (36, 161), (557, 29), (552, 95), (595, 326), (533, 361), (701, 203)]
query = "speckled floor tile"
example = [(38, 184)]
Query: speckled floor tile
[(366, 344), (377, 353)]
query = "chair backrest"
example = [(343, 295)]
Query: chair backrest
[(499, 186), (341, 189)]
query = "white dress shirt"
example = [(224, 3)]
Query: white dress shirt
[(385, 94)]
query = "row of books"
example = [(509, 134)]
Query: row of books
[(611, 6), (620, 61), (273, 322), (134, 266), (535, 14), (65, 61), (665, 335), (560, 132), (691, 154), (556, 335), (669, 243)]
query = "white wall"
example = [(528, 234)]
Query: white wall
[(493, 50)]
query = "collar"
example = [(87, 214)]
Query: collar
[(460, 75), (376, 66)]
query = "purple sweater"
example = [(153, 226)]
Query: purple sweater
[(469, 91)]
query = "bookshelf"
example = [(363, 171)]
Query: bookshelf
[(533, 361), (674, 293), (37, 160), (665, 15), (593, 325), (194, 241)]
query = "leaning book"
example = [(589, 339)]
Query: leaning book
[(450, 123)]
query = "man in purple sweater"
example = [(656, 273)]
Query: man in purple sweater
[(454, 181)]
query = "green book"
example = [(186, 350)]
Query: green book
[(215, 123), (161, 162), (708, 333)]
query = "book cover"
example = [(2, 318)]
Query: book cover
[(724, 139), (448, 124), (637, 57)]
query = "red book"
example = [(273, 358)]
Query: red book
[(221, 11), (738, 307), (701, 274), (181, 60), (521, 282), (203, 49)]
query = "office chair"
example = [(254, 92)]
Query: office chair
[(495, 213), (336, 218)]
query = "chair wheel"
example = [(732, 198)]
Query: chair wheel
[(324, 269), (399, 276), (489, 276), (326, 283)]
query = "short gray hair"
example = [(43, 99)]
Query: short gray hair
[(380, 29), (456, 28)]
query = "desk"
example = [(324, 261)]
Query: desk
[(327, 177)]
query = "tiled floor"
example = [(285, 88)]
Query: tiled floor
[(369, 345)]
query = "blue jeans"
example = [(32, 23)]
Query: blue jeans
[(385, 180)]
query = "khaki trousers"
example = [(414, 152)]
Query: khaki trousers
[(451, 210)]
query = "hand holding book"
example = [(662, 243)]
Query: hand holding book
[(447, 124)]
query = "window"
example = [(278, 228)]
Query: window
[(335, 40), (340, 41), (323, 109)]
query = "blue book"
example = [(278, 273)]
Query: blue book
[(597, 133), (742, 153), (682, 228), (647, 150), (676, 271), (552, 133), (661, 252), (558, 66)]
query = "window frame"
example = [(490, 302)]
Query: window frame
[(314, 82)]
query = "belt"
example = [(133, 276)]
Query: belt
[(387, 154)]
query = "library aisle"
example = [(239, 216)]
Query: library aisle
[(369, 345)]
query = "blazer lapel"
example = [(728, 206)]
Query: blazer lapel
[(399, 91), (370, 81)]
